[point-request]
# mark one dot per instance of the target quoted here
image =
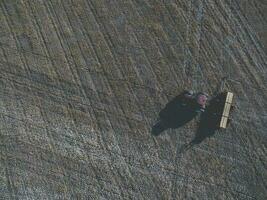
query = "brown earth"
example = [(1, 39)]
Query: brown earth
[(83, 81)]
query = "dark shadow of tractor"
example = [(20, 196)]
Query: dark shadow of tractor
[(175, 114)]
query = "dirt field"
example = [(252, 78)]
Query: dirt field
[(83, 81)]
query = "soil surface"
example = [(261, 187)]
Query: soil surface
[(82, 82)]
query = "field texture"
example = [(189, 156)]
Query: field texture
[(83, 81)]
